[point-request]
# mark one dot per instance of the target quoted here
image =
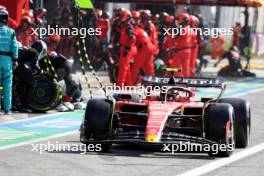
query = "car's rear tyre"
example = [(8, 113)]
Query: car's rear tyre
[(242, 120), (96, 122), (219, 127)]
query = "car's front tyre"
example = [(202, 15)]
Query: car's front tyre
[(219, 128), (96, 122), (242, 120)]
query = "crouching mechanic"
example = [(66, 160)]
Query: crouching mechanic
[(8, 54), (234, 68), (62, 66)]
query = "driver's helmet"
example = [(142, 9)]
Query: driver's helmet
[(41, 47), (172, 94)]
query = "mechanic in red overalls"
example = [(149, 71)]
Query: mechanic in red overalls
[(194, 22), (162, 24), (150, 28), (41, 17), (167, 48), (169, 21), (168, 43), (183, 46), (116, 30), (136, 16), (144, 59), (12, 23), (25, 33), (103, 23), (156, 21), (102, 50), (128, 49), (218, 47), (29, 13), (53, 43)]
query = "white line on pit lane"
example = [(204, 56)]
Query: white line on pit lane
[(38, 140), (32, 118), (225, 161)]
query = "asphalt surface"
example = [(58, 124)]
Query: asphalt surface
[(128, 160)]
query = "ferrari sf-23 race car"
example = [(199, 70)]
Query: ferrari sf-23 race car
[(169, 117)]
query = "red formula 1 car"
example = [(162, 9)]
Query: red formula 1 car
[(169, 117)]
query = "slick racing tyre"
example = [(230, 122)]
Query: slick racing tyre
[(242, 120), (96, 123), (22, 79), (113, 72), (15, 95), (45, 93), (219, 128)]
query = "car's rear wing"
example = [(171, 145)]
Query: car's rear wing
[(188, 82)]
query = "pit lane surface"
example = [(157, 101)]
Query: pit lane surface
[(129, 160)]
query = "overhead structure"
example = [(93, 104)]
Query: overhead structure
[(85, 4), (245, 3)]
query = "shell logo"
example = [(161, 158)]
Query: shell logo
[(151, 138)]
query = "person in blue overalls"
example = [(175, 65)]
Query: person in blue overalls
[(8, 54)]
